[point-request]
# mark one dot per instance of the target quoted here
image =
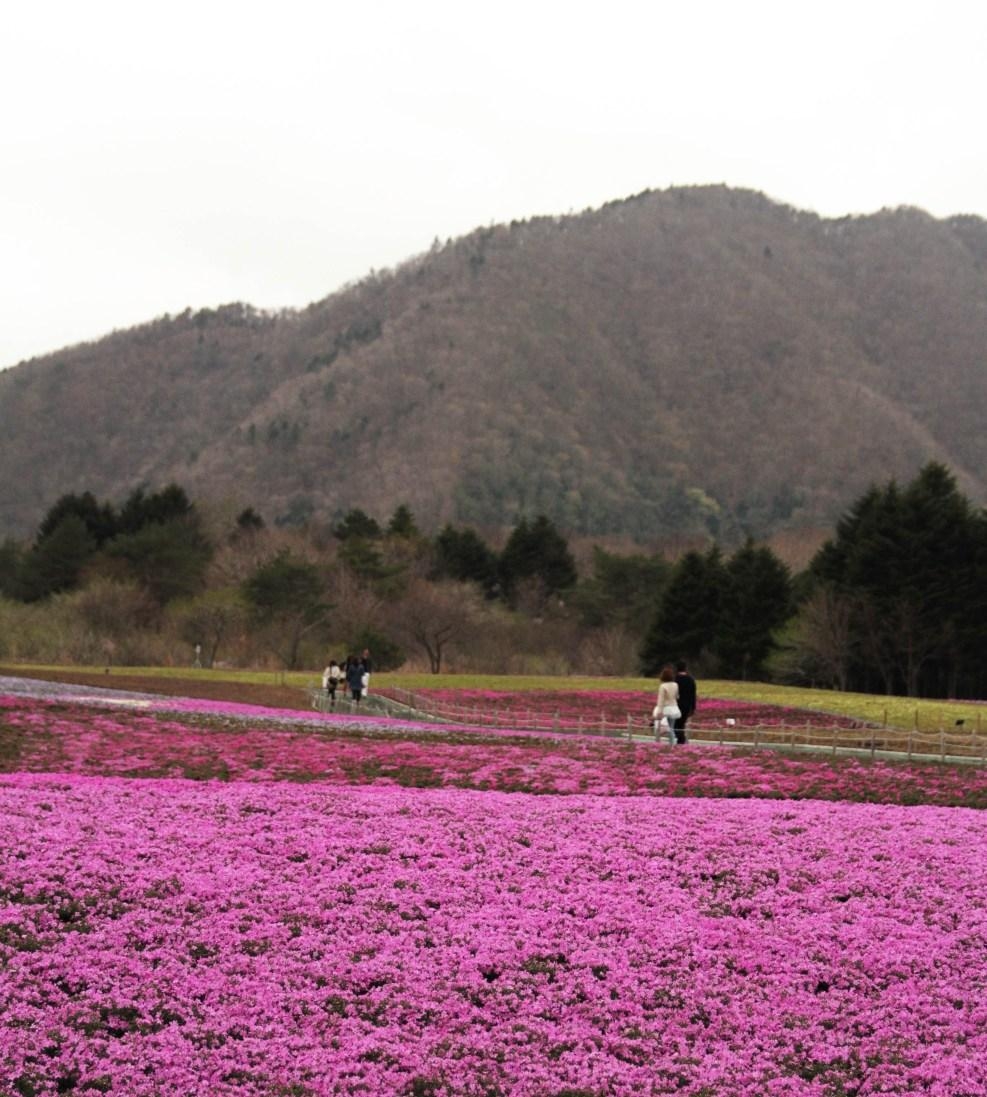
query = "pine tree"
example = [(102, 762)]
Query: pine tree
[(285, 598), (913, 563), (686, 621), (537, 551), (55, 563), (463, 555), (756, 602), (99, 519), (402, 523), (622, 590)]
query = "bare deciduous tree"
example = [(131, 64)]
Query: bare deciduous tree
[(435, 616), (824, 633), (211, 620), (356, 606)]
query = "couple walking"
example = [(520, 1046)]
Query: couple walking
[(676, 702), (354, 674)]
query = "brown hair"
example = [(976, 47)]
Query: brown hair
[(667, 673)]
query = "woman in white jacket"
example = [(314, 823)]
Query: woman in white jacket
[(666, 710)]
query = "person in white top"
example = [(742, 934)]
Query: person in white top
[(666, 710), (330, 680)]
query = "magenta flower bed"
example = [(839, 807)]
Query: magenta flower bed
[(615, 706), (172, 938), (637, 930), (43, 736)]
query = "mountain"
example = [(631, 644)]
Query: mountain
[(694, 359)]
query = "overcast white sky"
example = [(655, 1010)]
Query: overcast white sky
[(155, 156)]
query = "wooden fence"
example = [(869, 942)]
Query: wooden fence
[(956, 744)]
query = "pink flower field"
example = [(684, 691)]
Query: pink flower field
[(616, 705), (221, 901), (209, 740)]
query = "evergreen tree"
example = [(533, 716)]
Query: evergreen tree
[(55, 563), (935, 528), (756, 602), (386, 653), (686, 620), (463, 555), (537, 551), (913, 563), (361, 550), (286, 602), (363, 558), (864, 564), (402, 523), (622, 590), (98, 518), (12, 556), (357, 524), (167, 558), (249, 521), (140, 509)]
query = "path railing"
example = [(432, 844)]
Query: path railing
[(816, 735), (939, 745)]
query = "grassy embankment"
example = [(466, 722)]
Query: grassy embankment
[(285, 689)]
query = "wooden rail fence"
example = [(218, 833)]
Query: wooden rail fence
[(837, 738)]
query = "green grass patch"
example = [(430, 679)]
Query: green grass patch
[(287, 687)]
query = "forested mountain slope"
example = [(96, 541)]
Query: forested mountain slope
[(697, 359)]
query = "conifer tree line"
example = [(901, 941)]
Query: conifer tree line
[(893, 602), (896, 601)]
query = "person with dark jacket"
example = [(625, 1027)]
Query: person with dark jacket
[(368, 666), (354, 678), (687, 699)]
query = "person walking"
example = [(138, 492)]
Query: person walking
[(354, 678), (330, 680), (667, 709), (368, 666), (687, 699)]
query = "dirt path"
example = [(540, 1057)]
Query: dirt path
[(248, 693)]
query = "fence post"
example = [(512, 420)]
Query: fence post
[(873, 746), (834, 740), (721, 734), (555, 722), (757, 736), (630, 728), (942, 745)]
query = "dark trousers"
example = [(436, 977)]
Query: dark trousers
[(679, 728)]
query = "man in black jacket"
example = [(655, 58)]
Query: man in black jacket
[(687, 699)]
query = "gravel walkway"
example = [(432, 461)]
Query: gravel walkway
[(34, 687)]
